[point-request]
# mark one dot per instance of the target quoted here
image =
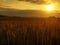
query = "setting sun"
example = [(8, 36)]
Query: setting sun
[(49, 7)]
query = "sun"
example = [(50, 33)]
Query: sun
[(50, 7)]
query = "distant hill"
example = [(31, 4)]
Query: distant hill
[(2, 16)]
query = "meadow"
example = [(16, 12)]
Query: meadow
[(29, 31)]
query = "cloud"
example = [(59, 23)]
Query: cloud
[(22, 5), (34, 1), (19, 13)]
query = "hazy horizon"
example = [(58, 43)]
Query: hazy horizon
[(14, 7)]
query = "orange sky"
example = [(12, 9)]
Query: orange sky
[(22, 5)]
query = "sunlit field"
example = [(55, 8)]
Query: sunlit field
[(29, 31), (29, 22)]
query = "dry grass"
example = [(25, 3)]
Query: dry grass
[(29, 31)]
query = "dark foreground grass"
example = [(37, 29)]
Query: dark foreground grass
[(29, 31)]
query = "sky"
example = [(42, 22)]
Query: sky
[(18, 4), (25, 5)]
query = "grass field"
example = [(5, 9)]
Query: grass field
[(29, 31)]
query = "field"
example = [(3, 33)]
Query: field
[(29, 31)]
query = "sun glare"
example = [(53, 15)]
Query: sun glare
[(50, 7)]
